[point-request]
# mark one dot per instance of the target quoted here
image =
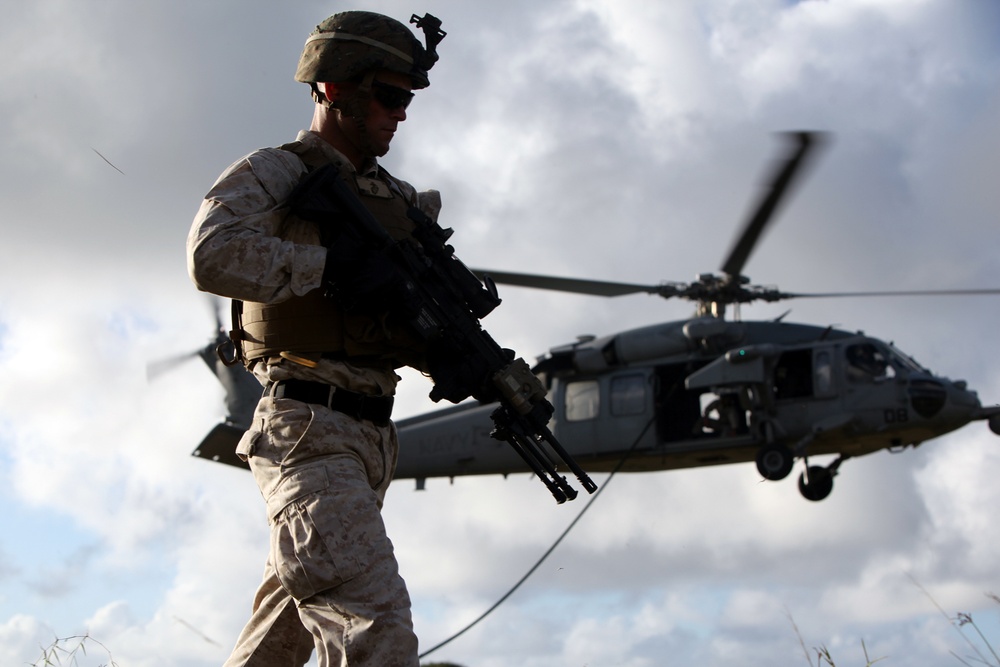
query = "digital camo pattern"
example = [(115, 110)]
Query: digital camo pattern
[(388, 45), (331, 572), (323, 476), (239, 245), (275, 636), (242, 246)]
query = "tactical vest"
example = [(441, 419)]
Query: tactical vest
[(313, 325)]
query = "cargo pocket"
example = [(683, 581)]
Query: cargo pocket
[(311, 544), (246, 446)]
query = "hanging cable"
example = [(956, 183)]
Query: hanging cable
[(552, 548)]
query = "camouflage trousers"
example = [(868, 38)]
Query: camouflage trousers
[(331, 578)]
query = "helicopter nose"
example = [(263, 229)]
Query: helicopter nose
[(927, 397)]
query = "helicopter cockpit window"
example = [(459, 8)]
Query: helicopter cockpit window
[(583, 400), (866, 362), (903, 362), (628, 395)]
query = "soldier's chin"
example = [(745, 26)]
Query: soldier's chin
[(384, 140)]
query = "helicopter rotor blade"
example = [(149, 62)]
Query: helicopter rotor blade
[(575, 285), (157, 368), (611, 289), (780, 182), (953, 292)]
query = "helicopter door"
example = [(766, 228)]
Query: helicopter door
[(679, 409), (793, 375), (805, 390), (605, 414)]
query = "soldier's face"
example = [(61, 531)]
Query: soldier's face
[(386, 110)]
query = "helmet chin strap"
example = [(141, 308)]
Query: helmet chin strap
[(354, 106)]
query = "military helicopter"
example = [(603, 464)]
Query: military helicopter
[(697, 392)]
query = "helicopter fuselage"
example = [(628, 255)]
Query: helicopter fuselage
[(708, 392)]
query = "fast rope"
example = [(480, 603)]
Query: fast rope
[(552, 548)]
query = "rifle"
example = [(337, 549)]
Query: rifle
[(441, 301)]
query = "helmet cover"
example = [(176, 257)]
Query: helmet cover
[(350, 44)]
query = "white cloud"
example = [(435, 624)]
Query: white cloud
[(617, 140)]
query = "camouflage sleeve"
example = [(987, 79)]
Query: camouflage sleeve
[(234, 248), (428, 201)]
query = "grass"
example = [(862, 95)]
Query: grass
[(983, 652), (823, 656), (981, 647), (67, 651)]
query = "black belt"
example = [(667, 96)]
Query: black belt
[(376, 409)]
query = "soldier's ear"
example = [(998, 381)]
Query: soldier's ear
[(333, 92), (324, 91)]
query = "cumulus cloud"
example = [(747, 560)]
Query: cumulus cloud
[(623, 141)]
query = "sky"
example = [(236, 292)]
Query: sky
[(623, 141)]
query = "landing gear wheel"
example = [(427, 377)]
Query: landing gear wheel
[(774, 462), (819, 483)]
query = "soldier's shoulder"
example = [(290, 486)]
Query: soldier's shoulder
[(276, 162), (273, 170)]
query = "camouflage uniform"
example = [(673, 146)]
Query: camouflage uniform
[(331, 575)]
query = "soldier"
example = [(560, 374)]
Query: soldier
[(322, 448)]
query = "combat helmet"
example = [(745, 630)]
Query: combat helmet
[(350, 44)]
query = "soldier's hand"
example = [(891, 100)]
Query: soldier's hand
[(458, 375)]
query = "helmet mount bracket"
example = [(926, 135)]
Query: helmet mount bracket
[(433, 34)]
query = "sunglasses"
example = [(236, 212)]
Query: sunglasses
[(391, 97)]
